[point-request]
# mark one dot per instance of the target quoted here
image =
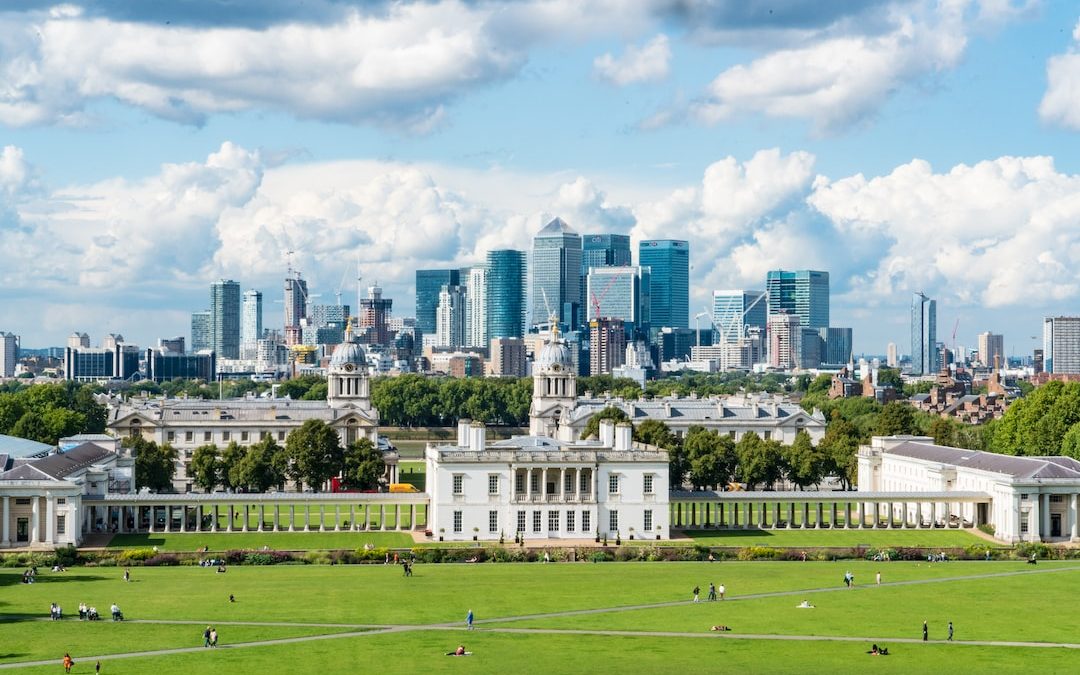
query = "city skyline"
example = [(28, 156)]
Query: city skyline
[(121, 201)]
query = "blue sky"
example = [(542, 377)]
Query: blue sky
[(902, 145)]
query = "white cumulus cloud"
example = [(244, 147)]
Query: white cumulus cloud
[(1061, 102), (650, 62)]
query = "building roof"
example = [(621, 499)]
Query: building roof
[(769, 412), (63, 464), (216, 412), (13, 446), (555, 227), (1023, 468), (26, 472)]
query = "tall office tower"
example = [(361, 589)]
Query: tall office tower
[(373, 316), (296, 301), (1037, 361), (324, 315), (991, 346), (507, 357), (804, 293), (225, 319), (602, 250), (200, 331), (837, 346), (78, 340), (925, 359), (9, 353), (174, 345), (506, 287), (450, 317), (621, 293), (476, 308), (891, 358), (669, 263), (735, 312), (607, 345), (785, 341), (251, 328), (811, 348), (1061, 344), (429, 284), (556, 274)]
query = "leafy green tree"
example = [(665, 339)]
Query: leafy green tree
[(155, 465), (1070, 443), (592, 427), (840, 447), (364, 465), (315, 453), (820, 385), (890, 377), (32, 426), (942, 431), (760, 461), (257, 470), (895, 418), (228, 462), (805, 465), (206, 467), (656, 432), (711, 458)]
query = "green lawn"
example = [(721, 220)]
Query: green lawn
[(838, 538), (1000, 601), (283, 541)]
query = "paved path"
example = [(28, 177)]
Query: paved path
[(491, 627)]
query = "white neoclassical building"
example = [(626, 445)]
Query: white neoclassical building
[(1024, 498), (545, 487), (189, 423)]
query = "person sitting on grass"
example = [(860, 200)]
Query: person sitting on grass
[(805, 604), (460, 651), (721, 628)]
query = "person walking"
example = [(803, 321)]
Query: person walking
[(213, 637), (950, 631), (127, 574), (712, 591), (925, 632), (722, 590), (68, 662), (877, 577), (206, 637), (97, 667), (697, 591), (469, 620)]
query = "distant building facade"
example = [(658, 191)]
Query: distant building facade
[(925, 358), (804, 293), (9, 353), (991, 348), (225, 318), (1061, 345), (429, 284), (556, 274), (505, 295), (668, 261)]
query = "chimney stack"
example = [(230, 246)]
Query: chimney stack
[(463, 433), (624, 436)]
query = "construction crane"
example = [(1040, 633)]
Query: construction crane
[(596, 300), (955, 356)]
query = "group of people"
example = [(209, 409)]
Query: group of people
[(210, 637), (28, 575), (926, 632), (714, 592), (849, 579), (69, 662), (87, 613)]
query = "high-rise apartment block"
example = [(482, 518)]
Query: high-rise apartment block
[(476, 307), (925, 358), (296, 301), (607, 345), (991, 349), (373, 316), (892, 359), (429, 284), (836, 346), (507, 357), (804, 293), (785, 341), (225, 318), (505, 294), (669, 263), (1061, 344), (9, 353), (734, 312), (78, 340), (251, 323), (450, 317), (200, 331), (556, 274)]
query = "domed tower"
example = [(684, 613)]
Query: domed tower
[(347, 377), (554, 388)]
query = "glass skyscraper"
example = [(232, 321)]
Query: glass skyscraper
[(669, 262), (225, 319), (251, 327), (200, 331), (804, 293), (506, 270), (837, 343), (604, 250), (429, 284), (924, 354), (733, 312), (556, 274), (621, 293)]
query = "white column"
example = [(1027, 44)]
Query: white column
[(1074, 514), (543, 485), (35, 527), (307, 517), (292, 517), (247, 517), (352, 516), (232, 517), (183, 518), (337, 517), (262, 517), (50, 519), (562, 485), (528, 485), (1045, 508), (5, 541), (277, 518), (1034, 517), (382, 516), (322, 518)]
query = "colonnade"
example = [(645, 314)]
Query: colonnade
[(581, 486)]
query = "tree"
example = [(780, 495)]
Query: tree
[(759, 461), (592, 428), (840, 447), (155, 465), (942, 431), (1070, 444), (890, 377), (821, 384), (206, 467), (364, 465), (315, 453), (805, 464), (257, 470), (228, 463), (656, 432), (711, 457), (895, 418)]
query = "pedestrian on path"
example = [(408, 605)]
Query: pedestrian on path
[(950, 631), (722, 590), (97, 667), (878, 578), (469, 620), (213, 637), (712, 591), (206, 637), (925, 631), (68, 662), (697, 591)]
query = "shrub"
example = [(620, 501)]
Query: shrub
[(67, 555), (267, 558), (136, 555), (759, 553), (601, 556), (162, 559), (987, 528)]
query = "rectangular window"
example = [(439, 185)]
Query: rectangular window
[(584, 482), (61, 524), (493, 521), (648, 483), (457, 521), (493, 483), (170, 436), (613, 484), (61, 501), (519, 483), (459, 483), (520, 521), (613, 521), (1057, 499), (648, 520), (1023, 523), (534, 482), (207, 436), (766, 435), (22, 501), (189, 436), (553, 521), (226, 435), (536, 521), (586, 521), (281, 435), (570, 521), (568, 483), (731, 434), (243, 436)]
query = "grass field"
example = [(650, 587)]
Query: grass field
[(638, 618), (840, 537)]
